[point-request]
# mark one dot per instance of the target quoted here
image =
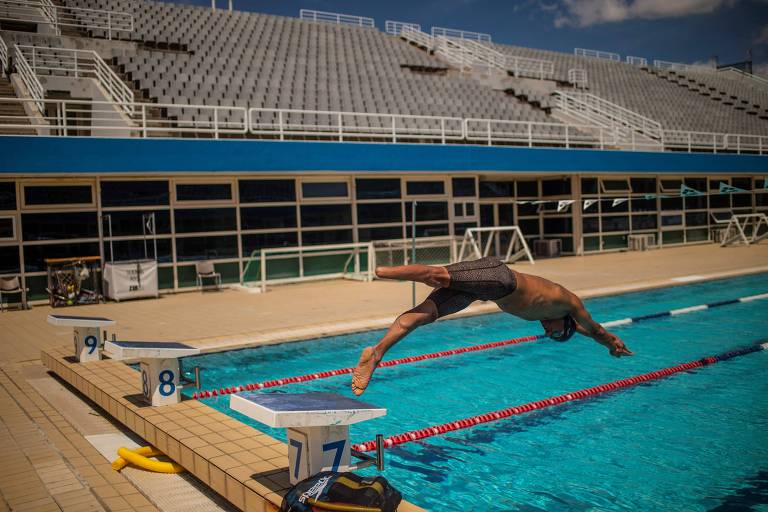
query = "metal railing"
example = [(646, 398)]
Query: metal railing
[(531, 134), (461, 34), (287, 123), (79, 64), (29, 79), (743, 143), (637, 61), (578, 77), (335, 17), (107, 119), (597, 54), (605, 113), (690, 141), (470, 53), (418, 37), (4, 64), (532, 68), (395, 27), (677, 66), (760, 80), (455, 53), (45, 11)]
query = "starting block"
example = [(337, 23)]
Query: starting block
[(317, 424), (87, 335), (159, 361)]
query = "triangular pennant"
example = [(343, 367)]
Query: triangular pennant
[(523, 202), (650, 196), (617, 202), (729, 189), (589, 202), (562, 205), (539, 202), (686, 191), (150, 224)]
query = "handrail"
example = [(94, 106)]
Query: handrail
[(597, 54), (469, 53), (454, 52), (30, 80), (335, 17), (57, 16), (80, 64), (455, 33), (751, 76), (637, 61), (415, 35), (578, 77), (597, 109), (678, 66), (340, 125), (680, 139), (3, 57), (73, 117), (539, 134), (395, 27)]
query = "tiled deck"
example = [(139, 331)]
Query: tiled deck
[(49, 464)]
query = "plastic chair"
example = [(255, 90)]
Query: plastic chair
[(206, 270), (11, 286)]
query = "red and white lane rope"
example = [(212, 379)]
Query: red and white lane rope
[(415, 435), (344, 371)]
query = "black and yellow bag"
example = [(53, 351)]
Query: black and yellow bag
[(345, 492)]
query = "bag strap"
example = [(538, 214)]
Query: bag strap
[(341, 507)]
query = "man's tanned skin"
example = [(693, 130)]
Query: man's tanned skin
[(535, 298)]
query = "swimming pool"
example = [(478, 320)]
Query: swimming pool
[(694, 441)]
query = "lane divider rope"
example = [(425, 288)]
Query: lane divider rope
[(415, 435), (452, 352)]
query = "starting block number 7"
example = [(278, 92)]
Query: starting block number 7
[(332, 455)]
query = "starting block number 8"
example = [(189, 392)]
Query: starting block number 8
[(159, 381), (167, 387)]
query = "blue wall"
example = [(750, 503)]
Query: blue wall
[(100, 155)]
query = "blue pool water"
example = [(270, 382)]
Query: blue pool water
[(694, 441)]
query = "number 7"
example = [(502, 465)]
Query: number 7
[(296, 444), (339, 447)]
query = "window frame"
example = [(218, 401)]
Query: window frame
[(320, 179), (174, 199), (21, 197), (15, 235)]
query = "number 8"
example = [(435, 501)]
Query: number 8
[(145, 383), (167, 387)]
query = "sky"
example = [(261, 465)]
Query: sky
[(688, 31)]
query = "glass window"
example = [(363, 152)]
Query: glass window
[(463, 187), (497, 188), (527, 189), (643, 222), (717, 200), (384, 233), (643, 185), (326, 215), (558, 225), (643, 205), (617, 185), (620, 223), (134, 250), (7, 228), (672, 203), (427, 210), (671, 220), (268, 217), (206, 248), (379, 213), (378, 188), (592, 208), (529, 226), (35, 255), (59, 226), (696, 219), (336, 236), (590, 224), (420, 188), (556, 187), (130, 223), (134, 193), (431, 230), (743, 183), (205, 219), (506, 215), (671, 185), (7, 195), (267, 191), (699, 184), (460, 229), (9, 260), (589, 185), (257, 241), (313, 189), (608, 207), (528, 209), (741, 200), (695, 202), (203, 191), (57, 194)]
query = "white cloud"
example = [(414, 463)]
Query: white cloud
[(762, 38), (583, 13)]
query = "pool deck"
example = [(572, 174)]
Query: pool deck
[(50, 465)]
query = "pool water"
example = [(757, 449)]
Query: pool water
[(694, 441)]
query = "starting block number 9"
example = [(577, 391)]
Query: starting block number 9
[(91, 342)]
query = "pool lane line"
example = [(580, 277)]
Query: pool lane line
[(415, 435), (445, 353)]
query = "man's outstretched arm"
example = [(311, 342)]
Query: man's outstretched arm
[(588, 327)]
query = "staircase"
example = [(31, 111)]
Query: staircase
[(12, 112), (64, 15)]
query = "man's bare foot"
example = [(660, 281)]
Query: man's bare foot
[(363, 372)]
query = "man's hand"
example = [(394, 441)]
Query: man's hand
[(616, 347)]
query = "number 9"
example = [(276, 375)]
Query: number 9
[(91, 342)]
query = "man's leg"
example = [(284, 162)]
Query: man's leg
[(436, 277), (423, 314)]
